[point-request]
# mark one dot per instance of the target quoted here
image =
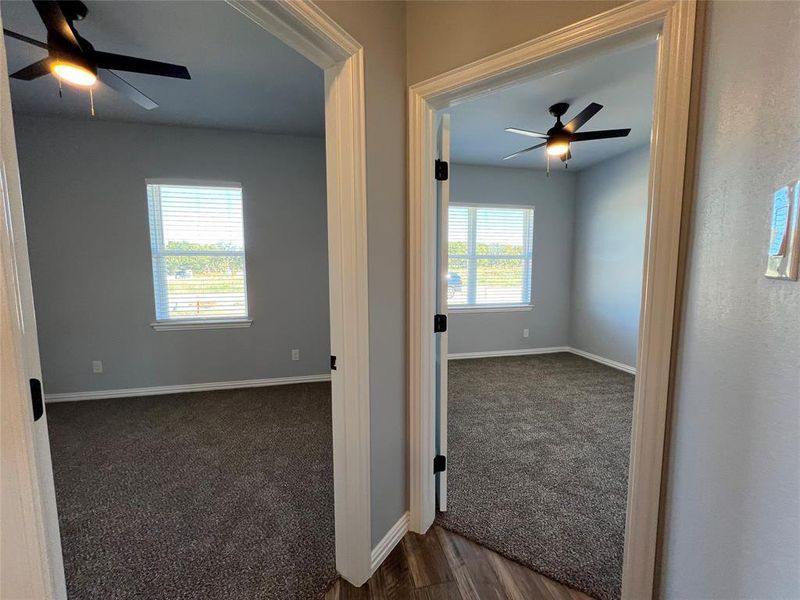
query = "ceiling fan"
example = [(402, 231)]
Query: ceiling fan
[(559, 137), (73, 59)]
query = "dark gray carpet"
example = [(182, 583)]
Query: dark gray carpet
[(208, 495), (538, 463)]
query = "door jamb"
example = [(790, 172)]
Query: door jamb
[(306, 28), (674, 20)]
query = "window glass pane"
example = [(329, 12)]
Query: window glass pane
[(499, 231), (197, 243), (457, 281), (490, 251), (500, 281)]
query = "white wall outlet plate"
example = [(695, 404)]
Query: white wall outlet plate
[(526, 332), (295, 354), (97, 366)]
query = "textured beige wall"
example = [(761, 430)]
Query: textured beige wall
[(443, 35)]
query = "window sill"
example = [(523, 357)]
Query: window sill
[(201, 324), (485, 309)]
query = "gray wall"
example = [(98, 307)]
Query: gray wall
[(608, 255), (553, 200), (445, 34), (380, 27), (732, 518), (86, 213)]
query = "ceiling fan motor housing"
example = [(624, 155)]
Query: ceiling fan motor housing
[(559, 109)]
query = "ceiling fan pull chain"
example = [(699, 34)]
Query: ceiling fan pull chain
[(91, 100), (60, 94)]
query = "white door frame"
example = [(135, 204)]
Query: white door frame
[(306, 28), (674, 20)]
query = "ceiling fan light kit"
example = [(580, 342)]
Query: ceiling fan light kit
[(82, 76), (72, 59), (558, 139)]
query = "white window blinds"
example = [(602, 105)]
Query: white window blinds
[(490, 250), (197, 243)]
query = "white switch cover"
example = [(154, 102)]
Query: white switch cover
[(295, 354), (97, 366), (526, 332)]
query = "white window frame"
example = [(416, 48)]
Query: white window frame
[(471, 257), (157, 251)]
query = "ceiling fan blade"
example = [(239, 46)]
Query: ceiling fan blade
[(34, 71), (131, 64), (121, 86), (54, 20), (598, 135), (24, 38), (535, 134), (580, 119), (525, 150)]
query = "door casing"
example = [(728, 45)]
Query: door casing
[(673, 21)]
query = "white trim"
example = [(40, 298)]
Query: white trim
[(496, 353), (604, 361), (388, 542), (179, 324), (674, 20), (183, 388), (176, 182), (455, 310), (307, 29), (550, 350)]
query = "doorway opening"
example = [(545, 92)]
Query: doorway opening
[(306, 30), (543, 259), (672, 26)]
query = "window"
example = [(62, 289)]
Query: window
[(490, 250), (197, 242)]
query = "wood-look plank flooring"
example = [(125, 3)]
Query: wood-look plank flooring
[(442, 565)]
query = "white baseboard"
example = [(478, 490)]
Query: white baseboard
[(493, 353), (388, 543), (604, 361), (522, 352), (189, 387)]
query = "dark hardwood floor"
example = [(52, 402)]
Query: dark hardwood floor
[(442, 565)]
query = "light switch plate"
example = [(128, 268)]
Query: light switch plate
[(783, 253)]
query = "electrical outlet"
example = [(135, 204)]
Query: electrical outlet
[(97, 366), (526, 333), (295, 354)]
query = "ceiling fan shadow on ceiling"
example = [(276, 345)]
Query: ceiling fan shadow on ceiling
[(71, 58), (559, 137)]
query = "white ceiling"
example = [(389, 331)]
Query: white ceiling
[(623, 82), (242, 76)]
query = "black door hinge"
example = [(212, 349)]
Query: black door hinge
[(36, 399), (439, 323), (441, 170), (333, 363), (439, 463)]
